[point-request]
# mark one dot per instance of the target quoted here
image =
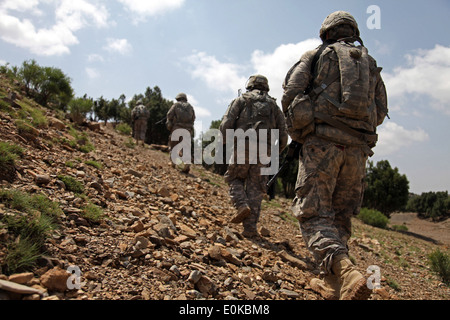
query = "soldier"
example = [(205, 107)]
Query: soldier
[(256, 110), (334, 99), (140, 116), (181, 116)]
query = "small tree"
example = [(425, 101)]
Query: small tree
[(386, 190), (79, 108), (46, 84)]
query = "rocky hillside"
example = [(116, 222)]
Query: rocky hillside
[(138, 229)]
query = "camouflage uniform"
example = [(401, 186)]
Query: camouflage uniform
[(247, 185), (331, 173), (181, 116), (140, 116)]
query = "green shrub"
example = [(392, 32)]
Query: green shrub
[(124, 129), (94, 164), (9, 153), (93, 213), (399, 228), (440, 263), (34, 219), (72, 184), (373, 218)]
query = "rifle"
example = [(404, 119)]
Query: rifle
[(161, 121), (293, 153)]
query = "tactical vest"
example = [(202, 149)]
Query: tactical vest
[(184, 114), (140, 112), (343, 99), (258, 112)]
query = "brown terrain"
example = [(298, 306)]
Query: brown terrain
[(165, 235)]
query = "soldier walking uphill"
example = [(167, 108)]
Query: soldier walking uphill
[(181, 116), (256, 110), (334, 99), (140, 116)]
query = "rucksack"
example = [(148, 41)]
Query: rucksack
[(140, 112), (184, 113), (258, 111), (355, 102)]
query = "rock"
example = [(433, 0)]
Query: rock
[(164, 192), (42, 179), (55, 279), (206, 286), (142, 242), (189, 232), (195, 276), (270, 276), (19, 288), (264, 232), (215, 252), (228, 256), (292, 260), (21, 278), (138, 226), (383, 293), (94, 126), (56, 123), (135, 173), (289, 293)]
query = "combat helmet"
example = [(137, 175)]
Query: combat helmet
[(335, 19), (259, 82), (181, 96)]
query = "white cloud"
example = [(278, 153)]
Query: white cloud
[(275, 65), (92, 73), (200, 112), (229, 77), (121, 46), (427, 74), (145, 8), (69, 17), (393, 137), (95, 57), (222, 76)]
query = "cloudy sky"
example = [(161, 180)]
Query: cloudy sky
[(208, 49)]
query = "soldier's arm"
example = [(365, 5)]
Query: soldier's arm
[(170, 118), (381, 101), (231, 116), (298, 80), (281, 126)]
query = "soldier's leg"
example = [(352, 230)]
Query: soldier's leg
[(349, 191), (318, 171), (256, 188), (236, 177)]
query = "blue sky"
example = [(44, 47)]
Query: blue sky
[(208, 49)]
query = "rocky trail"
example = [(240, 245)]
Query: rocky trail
[(165, 235)]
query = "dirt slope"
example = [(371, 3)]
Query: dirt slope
[(166, 235)]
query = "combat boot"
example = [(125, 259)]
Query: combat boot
[(329, 287), (250, 234), (353, 283), (243, 212)]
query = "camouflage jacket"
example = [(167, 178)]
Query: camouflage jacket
[(255, 110), (327, 67), (180, 116)]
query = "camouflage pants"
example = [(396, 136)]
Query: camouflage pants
[(140, 129), (247, 187), (330, 187)]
